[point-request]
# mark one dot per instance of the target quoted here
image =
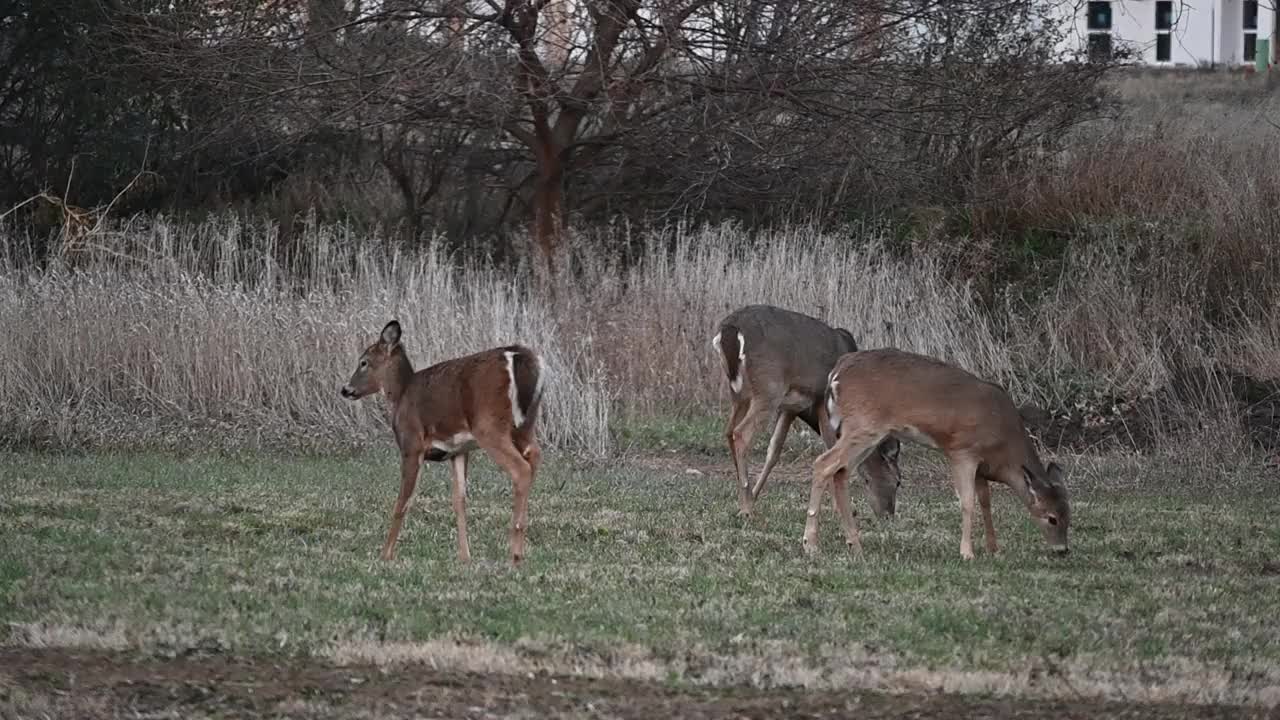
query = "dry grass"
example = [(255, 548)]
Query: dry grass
[(182, 335), (651, 324), (1181, 191), (1143, 253), (170, 333)]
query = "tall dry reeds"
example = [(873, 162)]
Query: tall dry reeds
[(168, 332), (1161, 265), (196, 333)]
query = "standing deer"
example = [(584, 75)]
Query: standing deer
[(777, 362), (487, 400), (883, 393)]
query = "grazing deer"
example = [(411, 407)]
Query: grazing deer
[(883, 393), (487, 400), (777, 362)]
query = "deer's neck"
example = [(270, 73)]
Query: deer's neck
[(397, 380), (1019, 487)]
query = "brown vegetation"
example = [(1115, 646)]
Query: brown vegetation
[(1116, 272)]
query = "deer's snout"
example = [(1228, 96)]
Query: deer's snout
[(347, 392)]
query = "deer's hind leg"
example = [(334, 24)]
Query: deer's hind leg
[(527, 444), (517, 462), (740, 435), (736, 414), (781, 424)]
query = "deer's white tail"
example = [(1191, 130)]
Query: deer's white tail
[(524, 373), (732, 347)]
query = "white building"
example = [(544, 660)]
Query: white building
[(1180, 32)]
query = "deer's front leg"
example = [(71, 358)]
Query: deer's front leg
[(409, 465), (963, 477), (826, 466), (840, 491), (984, 502), (459, 463)]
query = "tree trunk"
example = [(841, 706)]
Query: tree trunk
[(559, 36), (548, 203), (324, 17)]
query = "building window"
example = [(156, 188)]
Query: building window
[(1100, 15), (1164, 30), (1250, 30), (1099, 46), (1098, 23)]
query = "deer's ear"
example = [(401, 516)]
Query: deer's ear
[(849, 341), (391, 334), (1030, 479), (890, 448), (1056, 476)]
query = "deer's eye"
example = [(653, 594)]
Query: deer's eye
[(364, 363), (1052, 520)]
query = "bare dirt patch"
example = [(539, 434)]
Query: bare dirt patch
[(35, 682)]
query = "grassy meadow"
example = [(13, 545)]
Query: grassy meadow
[(179, 477), (639, 568)]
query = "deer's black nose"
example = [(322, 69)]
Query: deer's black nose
[(347, 392)]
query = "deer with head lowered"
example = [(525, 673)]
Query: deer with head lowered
[(883, 393), (488, 400), (777, 362)]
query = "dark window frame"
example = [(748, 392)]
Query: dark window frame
[(1100, 47), (1099, 5), (1164, 20), (1164, 31)]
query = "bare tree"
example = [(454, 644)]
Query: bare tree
[(657, 104)]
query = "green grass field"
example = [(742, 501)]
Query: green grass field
[(639, 568)]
